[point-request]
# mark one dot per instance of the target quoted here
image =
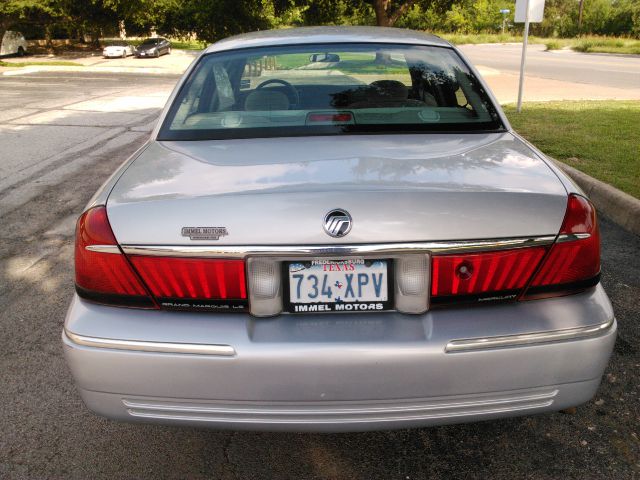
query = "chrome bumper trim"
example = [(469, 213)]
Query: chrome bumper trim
[(156, 347), (242, 251), (295, 414), (486, 343)]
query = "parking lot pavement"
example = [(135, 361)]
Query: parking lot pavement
[(175, 63), (46, 433), (53, 124)]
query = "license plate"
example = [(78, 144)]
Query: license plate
[(352, 285)]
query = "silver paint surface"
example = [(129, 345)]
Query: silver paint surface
[(358, 361), (397, 188)]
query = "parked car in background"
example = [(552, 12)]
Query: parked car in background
[(336, 229), (117, 49), (153, 47), (13, 43)]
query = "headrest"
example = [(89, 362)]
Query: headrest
[(266, 100), (389, 89)]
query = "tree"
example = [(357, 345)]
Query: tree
[(388, 12), (91, 16), (41, 11), (145, 14), (12, 11), (212, 20)]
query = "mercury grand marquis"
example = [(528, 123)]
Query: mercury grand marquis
[(336, 229)]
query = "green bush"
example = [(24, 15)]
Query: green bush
[(553, 45)]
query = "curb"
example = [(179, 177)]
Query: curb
[(620, 207)]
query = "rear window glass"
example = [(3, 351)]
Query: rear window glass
[(328, 89)]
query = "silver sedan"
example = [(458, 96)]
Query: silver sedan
[(336, 229)]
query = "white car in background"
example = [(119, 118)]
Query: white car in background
[(13, 43), (117, 49)]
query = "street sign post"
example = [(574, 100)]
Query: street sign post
[(504, 12), (527, 11)]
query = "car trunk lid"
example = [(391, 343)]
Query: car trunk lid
[(277, 191)]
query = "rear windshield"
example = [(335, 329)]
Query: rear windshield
[(328, 90)]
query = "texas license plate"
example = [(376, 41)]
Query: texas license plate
[(353, 285)]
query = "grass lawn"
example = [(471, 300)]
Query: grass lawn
[(601, 138), (607, 45), (32, 64)]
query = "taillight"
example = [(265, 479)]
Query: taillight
[(571, 264), (103, 273), (201, 279), (574, 260), (496, 275)]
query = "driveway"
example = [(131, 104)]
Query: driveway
[(60, 137)]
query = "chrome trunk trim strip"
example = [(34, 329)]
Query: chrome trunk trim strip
[(242, 251), (571, 237), (103, 248), (156, 347), (486, 343)]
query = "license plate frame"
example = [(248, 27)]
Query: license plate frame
[(331, 307)]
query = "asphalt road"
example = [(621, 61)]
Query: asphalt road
[(621, 71), (49, 171)]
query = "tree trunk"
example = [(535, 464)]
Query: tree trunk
[(96, 38), (122, 29), (580, 12), (383, 58), (382, 16), (47, 37)]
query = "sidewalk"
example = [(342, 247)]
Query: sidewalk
[(174, 64)]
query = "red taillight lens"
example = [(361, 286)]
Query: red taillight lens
[(571, 264), (485, 274), (192, 278), (574, 260), (102, 272)]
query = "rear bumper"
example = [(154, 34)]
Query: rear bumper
[(339, 373)]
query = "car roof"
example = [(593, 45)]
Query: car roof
[(311, 35)]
